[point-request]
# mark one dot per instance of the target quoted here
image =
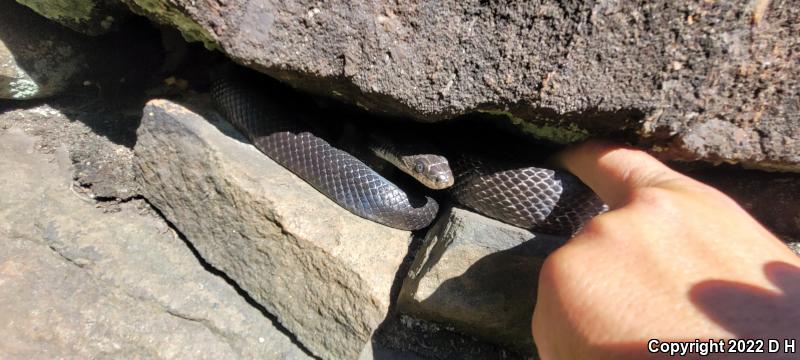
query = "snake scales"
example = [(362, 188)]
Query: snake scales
[(539, 199)]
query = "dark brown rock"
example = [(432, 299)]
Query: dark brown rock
[(713, 81)]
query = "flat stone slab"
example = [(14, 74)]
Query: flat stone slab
[(86, 280), (478, 275), (325, 273)]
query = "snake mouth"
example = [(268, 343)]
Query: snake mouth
[(440, 182), (434, 181)]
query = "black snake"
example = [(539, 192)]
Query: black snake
[(291, 142), (535, 198)]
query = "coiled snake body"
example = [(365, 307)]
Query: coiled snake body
[(535, 198), (544, 200), (335, 173)]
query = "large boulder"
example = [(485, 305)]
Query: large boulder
[(325, 273), (82, 280), (713, 80)]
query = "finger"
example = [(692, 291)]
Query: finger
[(614, 171)]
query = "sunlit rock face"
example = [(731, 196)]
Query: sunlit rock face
[(311, 263)]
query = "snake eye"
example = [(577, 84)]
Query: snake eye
[(419, 167)]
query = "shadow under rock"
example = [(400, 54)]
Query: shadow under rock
[(113, 105), (109, 89), (773, 198), (499, 291), (124, 69)]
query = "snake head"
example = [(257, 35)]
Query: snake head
[(431, 170)]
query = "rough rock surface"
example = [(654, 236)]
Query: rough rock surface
[(479, 275), (80, 279), (37, 58), (90, 17), (324, 272), (102, 166), (712, 80)]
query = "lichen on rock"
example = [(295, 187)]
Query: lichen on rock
[(172, 14), (74, 10), (562, 134), (90, 17)]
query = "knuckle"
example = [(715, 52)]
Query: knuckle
[(553, 267), (599, 226), (655, 199)]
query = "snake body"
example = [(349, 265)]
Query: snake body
[(292, 143), (539, 199)]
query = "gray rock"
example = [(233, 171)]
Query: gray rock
[(713, 81), (82, 280), (90, 17), (37, 58), (324, 272), (102, 168), (478, 275)]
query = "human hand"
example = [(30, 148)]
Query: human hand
[(674, 260)]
